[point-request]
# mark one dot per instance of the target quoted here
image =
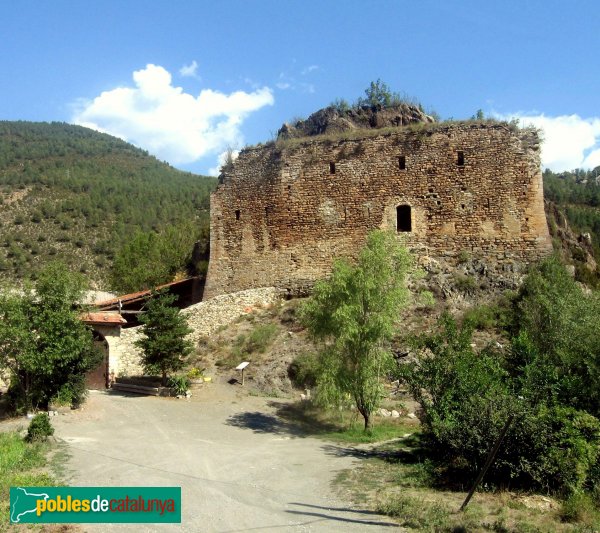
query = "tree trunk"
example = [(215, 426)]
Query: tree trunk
[(368, 422), (164, 378)]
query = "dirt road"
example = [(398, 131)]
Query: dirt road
[(239, 466)]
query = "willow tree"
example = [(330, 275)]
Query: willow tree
[(353, 315)]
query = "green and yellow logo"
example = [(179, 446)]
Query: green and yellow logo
[(45, 505)]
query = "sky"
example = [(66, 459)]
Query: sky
[(188, 80)]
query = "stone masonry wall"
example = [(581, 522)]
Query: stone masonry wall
[(286, 210), (204, 318)]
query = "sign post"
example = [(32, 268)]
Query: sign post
[(241, 367)]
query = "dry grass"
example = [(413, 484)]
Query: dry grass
[(361, 133), (396, 479)]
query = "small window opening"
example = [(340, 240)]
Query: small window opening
[(430, 189), (403, 218), (402, 162), (462, 206), (237, 214), (332, 168), (460, 158)]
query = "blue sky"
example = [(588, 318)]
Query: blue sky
[(185, 80)]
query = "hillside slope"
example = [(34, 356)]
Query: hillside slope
[(573, 211), (72, 193)]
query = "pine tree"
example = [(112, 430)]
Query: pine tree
[(164, 343)]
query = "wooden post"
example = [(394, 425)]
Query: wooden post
[(488, 462), (241, 367)]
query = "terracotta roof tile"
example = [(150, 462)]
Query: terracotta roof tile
[(100, 318), (136, 295)]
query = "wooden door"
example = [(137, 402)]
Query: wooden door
[(97, 378)]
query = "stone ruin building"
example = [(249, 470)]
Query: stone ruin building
[(283, 211)]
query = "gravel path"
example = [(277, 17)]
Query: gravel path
[(239, 467)]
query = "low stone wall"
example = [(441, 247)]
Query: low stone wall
[(204, 318)]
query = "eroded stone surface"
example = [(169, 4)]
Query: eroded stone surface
[(283, 212)]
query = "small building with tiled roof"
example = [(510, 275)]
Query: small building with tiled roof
[(106, 326)]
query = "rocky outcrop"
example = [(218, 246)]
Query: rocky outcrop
[(334, 120), (574, 248)]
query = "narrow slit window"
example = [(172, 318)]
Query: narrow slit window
[(332, 168), (402, 162), (403, 218), (460, 158), (237, 214)]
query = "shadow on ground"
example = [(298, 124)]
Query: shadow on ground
[(325, 513), (294, 419), (260, 423)]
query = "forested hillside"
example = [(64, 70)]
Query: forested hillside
[(577, 194), (71, 193)]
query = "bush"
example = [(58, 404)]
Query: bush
[(40, 428), (465, 284), (468, 397), (43, 341), (556, 346), (578, 507), (179, 385), (195, 373), (303, 371), (261, 338), (496, 315)]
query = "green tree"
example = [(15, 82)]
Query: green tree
[(164, 343), (546, 382), (150, 259), (556, 349), (353, 315), (379, 94), (43, 343)]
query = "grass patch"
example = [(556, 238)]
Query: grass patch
[(580, 508), (354, 433), (246, 345), (341, 426), (398, 479), (411, 512), (21, 464)]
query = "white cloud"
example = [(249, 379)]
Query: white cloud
[(189, 71), (309, 69), (169, 123), (282, 85), (569, 141)]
